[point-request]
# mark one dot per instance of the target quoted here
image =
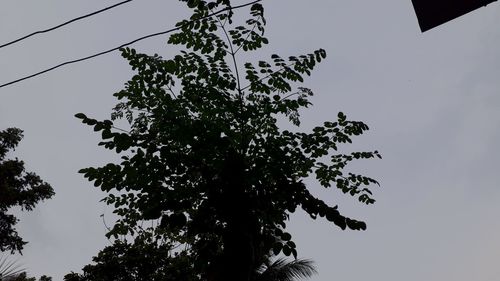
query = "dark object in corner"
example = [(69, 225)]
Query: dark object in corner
[(431, 13)]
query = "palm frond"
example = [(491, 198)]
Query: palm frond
[(9, 268), (283, 270)]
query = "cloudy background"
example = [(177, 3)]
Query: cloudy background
[(431, 101)]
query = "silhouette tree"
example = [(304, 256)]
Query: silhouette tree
[(17, 188), (204, 157)]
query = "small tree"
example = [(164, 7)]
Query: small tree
[(204, 156), (17, 188)]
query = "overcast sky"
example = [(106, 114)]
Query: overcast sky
[(431, 101)]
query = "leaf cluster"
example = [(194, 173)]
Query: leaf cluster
[(17, 188)]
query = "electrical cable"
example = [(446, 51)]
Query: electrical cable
[(125, 44), (63, 24)]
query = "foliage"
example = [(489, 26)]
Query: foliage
[(148, 260), (17, 188), (205, 157), (8, 268), (145, 259), (283, 270)]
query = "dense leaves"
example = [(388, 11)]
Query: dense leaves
[(144, 259), (204, 156), (18, 188), (147, 260)]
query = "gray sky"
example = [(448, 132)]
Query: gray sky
[(431, 101)]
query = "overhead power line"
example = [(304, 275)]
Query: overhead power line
[(63, 24), (126, 44)]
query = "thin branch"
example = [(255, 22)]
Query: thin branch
[(104, 222), (119, 129), (290, 95), (246, 38), (270, 74), (233, 56), (240, 92)]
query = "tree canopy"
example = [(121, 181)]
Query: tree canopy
[(18, 188), (205, 164)]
